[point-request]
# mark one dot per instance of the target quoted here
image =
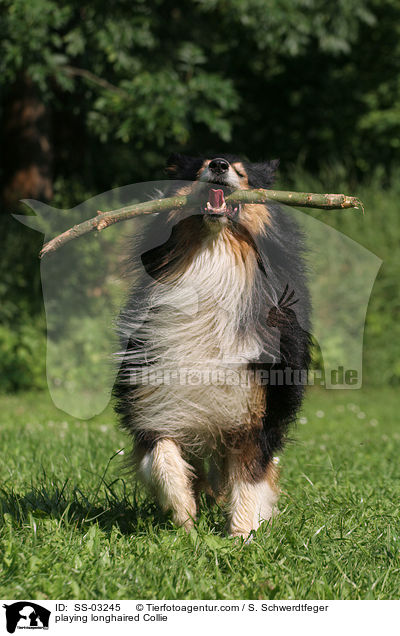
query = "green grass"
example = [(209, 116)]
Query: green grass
[(74, 526)]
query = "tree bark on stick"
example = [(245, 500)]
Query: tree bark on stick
[(105, 219)]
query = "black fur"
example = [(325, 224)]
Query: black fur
[(283, 259)]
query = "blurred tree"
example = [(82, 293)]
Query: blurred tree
[(27, 156), (96, 95), (129, 80)]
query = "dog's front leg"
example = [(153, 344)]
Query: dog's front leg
[(251, 499), (169, 476)]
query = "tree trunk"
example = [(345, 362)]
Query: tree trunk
[(26, 149), (26, 162)]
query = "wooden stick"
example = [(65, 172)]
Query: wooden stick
[(105, 219), (300, 199)]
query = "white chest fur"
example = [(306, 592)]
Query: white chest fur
[(195, 348)]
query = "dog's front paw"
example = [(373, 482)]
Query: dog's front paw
[(185, 519)]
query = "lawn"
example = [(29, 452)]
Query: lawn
[(74, 525)]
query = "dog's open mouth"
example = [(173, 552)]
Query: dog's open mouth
[(217, 207)]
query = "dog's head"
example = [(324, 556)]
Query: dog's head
[(227, 170), (230, 173)]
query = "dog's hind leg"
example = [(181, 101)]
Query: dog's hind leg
[(169, 476)]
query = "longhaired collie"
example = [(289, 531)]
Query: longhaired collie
[(216, 344)]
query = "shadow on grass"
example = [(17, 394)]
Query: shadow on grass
[(104, 506), (109, 506), (130, 515), (75, 509)]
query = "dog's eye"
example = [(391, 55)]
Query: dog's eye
[(240, 174)]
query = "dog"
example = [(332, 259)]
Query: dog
[(221, 309)]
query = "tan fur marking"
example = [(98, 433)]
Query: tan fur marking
[(203, 167), (254, 217), (172, 169), (238, 166), (272, 476)]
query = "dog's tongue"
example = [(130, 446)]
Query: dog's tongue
[(216, 198)]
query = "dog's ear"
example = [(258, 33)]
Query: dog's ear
[(262, 175), (183, 167)]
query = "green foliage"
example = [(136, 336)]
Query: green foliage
[(71, 526), (23, 356), (208, 73), (22, 324), (133, 83)]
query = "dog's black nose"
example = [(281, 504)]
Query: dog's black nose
[(218, 166)]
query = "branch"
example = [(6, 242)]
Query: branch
[(105, 219), (299, 199), (95, 79)]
